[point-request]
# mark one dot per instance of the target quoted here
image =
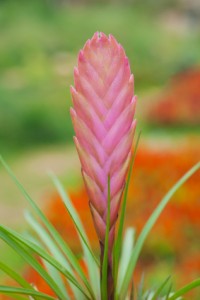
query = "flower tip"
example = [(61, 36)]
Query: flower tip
[(95, 39), (81, 57), (112, 39), (76, 72), (75, 140), (126, 61), (73, 91), (121, 50), (86, 46), (72, 113), (135, 99), (103, 37), (134, 124), (96, 35), (131, 79)]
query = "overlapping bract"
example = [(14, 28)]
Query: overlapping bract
[(102, 116)]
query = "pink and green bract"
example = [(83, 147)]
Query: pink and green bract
[(103, 119)]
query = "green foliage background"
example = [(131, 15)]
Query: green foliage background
[(38, 49)]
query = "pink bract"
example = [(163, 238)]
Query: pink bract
[(103, 119)]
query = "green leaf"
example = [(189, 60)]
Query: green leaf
[(105, 254), (148, 226), (92, 262), (118, 242), (140, 288), (13, 290), (12, 274), (20, 280), (127, 249), (168, 292), (73, 214), (160, 289), (56, 236), (6, 233), (148, 295), (185, 289), (17, 297), (56, 276), (55, 251)]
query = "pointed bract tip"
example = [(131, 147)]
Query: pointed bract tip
[(112, 39), (73, 90), (95, 36), (81, 57), (121, 50), (103, 37), (134, 124), (76, 142), (86, 46), (126, 61), (135, 97), (72, 113), (131, 79), (76, 72)]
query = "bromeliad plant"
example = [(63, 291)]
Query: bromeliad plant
[(103, 113), (103, 118)]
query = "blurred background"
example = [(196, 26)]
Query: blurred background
[(39, 43)]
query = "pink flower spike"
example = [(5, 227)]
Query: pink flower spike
[(103, 119)]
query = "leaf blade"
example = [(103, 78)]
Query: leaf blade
[(35, 248), (118, 244), (32, 261), (53, 249), (12, 290), (160, 288), (185, 289), (57, 237), (90, 258), (149, 224)]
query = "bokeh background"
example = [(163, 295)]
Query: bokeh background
[(39, 43)]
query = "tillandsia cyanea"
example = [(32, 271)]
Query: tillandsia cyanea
[(103, 119)]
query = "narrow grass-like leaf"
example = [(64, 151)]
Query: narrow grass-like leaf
[(168, 292), (148, 226), (148, 295), (54, 233), (54, 250), (17, 297), (91, 260), (185, 289), (35, 248), (16, 238), (12, 274), (31, 261), (127, 250), (13, 290), (73, 214), (118, 242), (104, 287), (160, 288), (44, 238), (140, 288), (55, 275)]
